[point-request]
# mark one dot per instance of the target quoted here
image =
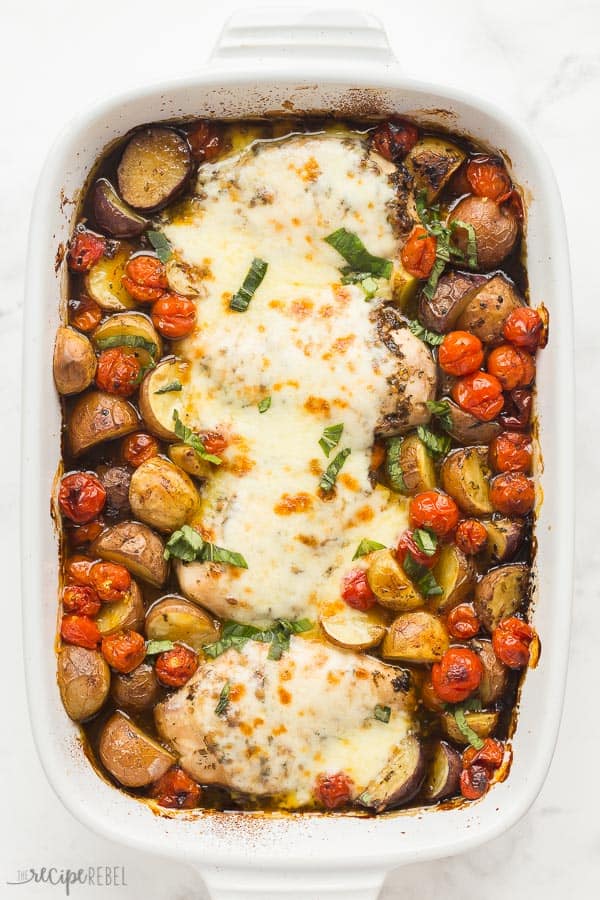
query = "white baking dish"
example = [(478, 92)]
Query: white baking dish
[(281, 62)]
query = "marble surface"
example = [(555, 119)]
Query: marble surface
[(542, 63)]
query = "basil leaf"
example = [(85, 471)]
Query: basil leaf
[(186, 544), (161, 244), (382, 713), (350, 246), (212, 553), (221, 707), (425, 540), (136, 341), (257, 271), (369, 286), (280, 642), (441, 410), (421, 576), (264, 404), (429, 337), (278, 635), (331, 438), (193, 440), (393, 467), (437, 445), (465, 729), (367, 546), (154, 647), (175, 385), (329, 476), (471, 241)]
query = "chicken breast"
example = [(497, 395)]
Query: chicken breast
[(286, 722)]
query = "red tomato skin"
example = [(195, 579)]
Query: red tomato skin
[(356, 591), (524, 328), (124, 650), (460, 353), (81, 631), (471, 536), (512, 493), (512, 366), (407, 545), (433, 510), (176, 790), (462, 622), (85, 249), (457, 675), (511, 641), (488, 178), (175, 667), (394, 138), (138, 448), (110, 580), (474, 782), (511, 451), (80, 599), (174, 316), (333, 791), (81, 497), (118, 371), (480, 394)]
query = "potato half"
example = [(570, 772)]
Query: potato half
[(74, 363), (415, 637), (175, 619), (455, 574), (131, 756), (482, 723), (500, 593), (432, 162), (390, 583), (136, 547), (103, 281), (83, 680), (98, 417), (465, 476), (157, 408), (136, 691), (466, 429), (162, 495), (354, 629), (134, 330), (187, 459), (417, 466), (487, 309), (125, 613)]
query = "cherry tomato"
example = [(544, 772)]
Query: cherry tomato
[(460, 353), (462, 622), (175, 667), (430, 699), (489, 178), (80, 599), (78, 568), (524, 328), (457, 674), (491, 755), (85, 249), (206, 141), (517, 409), (512, 493), (141, 292), (214, 442), (81, 497), (511, 642), (84, 313), (394, 138), (356, 591), (85, 534), (333, 791), (148, 271), (433, 510), (176, 790), (474, 782), (418, 253), (407, 544), (81, 631), (471, 536), (111, 580), (512, 366), (124, 650), (511, 451), (479, 394), (138, 448), (174, 316), (118, 371)]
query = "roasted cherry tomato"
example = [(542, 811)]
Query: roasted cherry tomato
[(433, 510), (471, 535), (111, 581), (517, 409), (356, 591), (511, 451), (78, 568), (80, 599), (138, 448), (491, 755), (80, 630), (460, 353), (511, 642), (512, 366), (85, 534), (175, 667), (145, 278), (118, 371), (474, 782), (462, 622), (141, 292), (81, 497), (333, 791), (174, 316), (206, 141), (457, 674), (479, 394), (418, 253), (394, 139), (214, 442), (524, 328), (407, 544), (512, 493), (488, 178), (176, 790), (124, 650), (84, 313), (85, 249)]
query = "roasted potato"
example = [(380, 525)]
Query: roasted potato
[(134, 330), (187, 459), (443, 774), (74, 362), (103, 281), (83, 680), (390, 583), (131, 756), (415, 637), (504, 539), (399, 780), (138, 690), (500, 593), (432, 162), (98, 417), (122, 614), (354, 629), (404, 286), (495, 674), (487, 309), (157, 408), (112, 215), (154, 167), (496, 229), (115, 481), (162, 495), (451, 296), (465, 476), (415, 464), (455, 574), (483, 724), (174, 619), (185, 279), (466, 429), (136, 547)]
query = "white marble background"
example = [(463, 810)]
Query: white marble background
[(541, 61)]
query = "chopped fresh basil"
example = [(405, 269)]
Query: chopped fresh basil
[(264, 404), (367, 546), (441, 410), (257, 271), (471, 241), (446, 250), (382, 713), (221, 707), (369, 286), (186, 544), (278, 636), (331, 438), (437, 445), (212, 553), (393, 467), (161, 244), (368, 283), (135, 341), (465, 729), (174, 385), (421, 577), (425, 540), (350, 246), (154, 647), (429, 337), (329, 476), (193, 440)]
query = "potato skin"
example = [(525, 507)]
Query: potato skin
[(487, 309), (112, 215), (98, 417), (482, 723), (175, 619), (122, 614), (83, 680), (136, 547), (455, 574), (137, 691), (74, 361), (154, 167), (162, 495), (496, 229), (390, 584), (353, 629), (495, 673), (415, 637), (450, 297), (500, 593), (465, 475), (115, 480), (131, 756), (444, 773), (418, 470), (466, 429)]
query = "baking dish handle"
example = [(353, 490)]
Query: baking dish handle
[(257, 884), (274, 35)]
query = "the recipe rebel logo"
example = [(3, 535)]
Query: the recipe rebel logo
[(92, 876)]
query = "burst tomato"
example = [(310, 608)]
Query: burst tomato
[(512, 493), (175, 667), (407, 544), (110, 580), (214, 442), (479, 394), (460, 353), (471, 536), (474, 782), (394, 139), (85, 249), (206, 141), (124, 650), (145, 278), (333, 791), (433, 510), (118, 371), (512, 640), (524, 328), (356, 591), (81, 631), (174, 316), (80, 599), (78, 569), (488, 178), (512, 366), (418, 253), (81, 497), (84, 313), (462, 622), (141, 292), (138, 448), (491, 755), (85, 534), (457, 675), (176, 790), (517, 409), (511, 451)]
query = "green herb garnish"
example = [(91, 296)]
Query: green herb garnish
[(161, 244), (175, 385), (350, 246), (223, 703), (186, 544), (437, 445), (425, 540), (193, 440), (368, 283), (367, 546), (264, 404), (392, 466), (257, 271), (464, 727), (136, 341), (329, 476), (446, 249), (429, 337), (331, 438), (277, 635), (421, 576), (441, 410), (471, 253), (382, 713), (154, 647)]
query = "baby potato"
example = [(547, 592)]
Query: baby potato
[(390, 583), (98, 417), (83, 680), (187, 459), (74, 361), (178, 620), (487, 309), (418, 470), (500, 593), (496, 229), (465, 476), (415, 637), (131, 756), (162, 495), (122, 614), (482, 723), (136, 691), (432, 162), (455, 574), (354, 629), (136, 547), (103, 281)]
